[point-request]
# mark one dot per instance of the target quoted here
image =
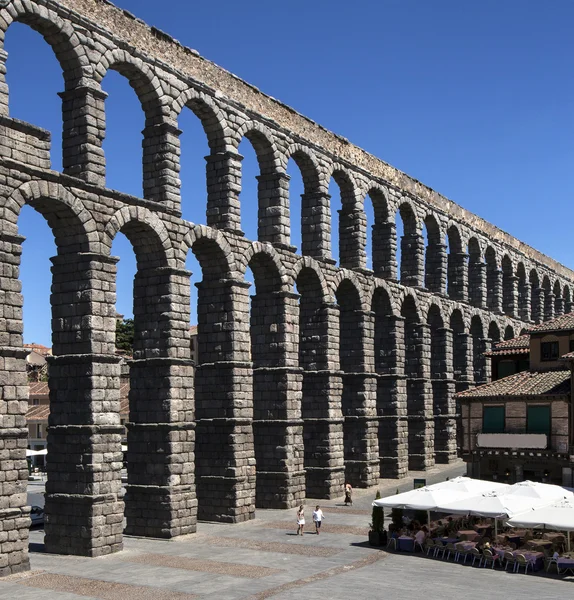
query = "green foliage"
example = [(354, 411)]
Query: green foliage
[(125, 335), (397, 517), (378, 517)]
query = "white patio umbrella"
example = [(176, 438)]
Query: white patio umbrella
[(504, 503), (432, 496), (558, 515), (42, 452)]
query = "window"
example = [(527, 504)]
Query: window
[(38, 430), (549, 351), (493, 419), (35, 401), (538, 419), (571, 347)]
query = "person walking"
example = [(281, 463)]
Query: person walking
[(317, 518), (348, 494), (300, 519)]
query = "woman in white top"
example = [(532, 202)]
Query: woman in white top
[(300, 519), (317, 518)]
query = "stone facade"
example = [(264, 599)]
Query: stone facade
[(336, 373)]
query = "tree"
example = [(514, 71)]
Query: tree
[(125, 335)]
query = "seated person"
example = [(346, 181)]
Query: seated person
[(421, 535)]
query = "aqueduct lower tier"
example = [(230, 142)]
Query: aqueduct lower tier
[(330, 373)]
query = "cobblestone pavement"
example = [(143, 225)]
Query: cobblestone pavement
[(265, 559)]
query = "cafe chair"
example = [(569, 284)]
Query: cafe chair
[(509, 560), (490, 558), (476, 555), (549, 561), (430, 546), (450, 548), (522, 562), (392, 543)]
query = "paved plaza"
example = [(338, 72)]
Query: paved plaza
[(265, 559)]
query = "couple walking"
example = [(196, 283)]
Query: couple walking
[(317, 518)]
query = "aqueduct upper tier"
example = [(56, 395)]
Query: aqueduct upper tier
[(327, 372)]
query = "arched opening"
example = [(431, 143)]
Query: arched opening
[(409, 260), (250, 201), (456, 273), (34, 97), (277, 429), (434, 256), (508, 287), (379, 243), (536, 300), (385, 345), (523, 293), (128, 116), (476, 278), (201, 165), (509, 332), (558, 300), (352, 361), (310, 227), (225, 481), (442, 388), (493, 287), (313, 326), (567, 299), (479, 361), (460, 351), (494, 333), (348, 229), (416, 385), (548, 299)]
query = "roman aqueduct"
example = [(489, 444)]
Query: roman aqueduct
[(328, 373)]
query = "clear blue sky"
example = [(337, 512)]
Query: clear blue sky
[(474, 99)]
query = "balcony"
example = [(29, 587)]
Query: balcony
[(512, 441)]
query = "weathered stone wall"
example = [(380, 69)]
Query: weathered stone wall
[(336, 372)]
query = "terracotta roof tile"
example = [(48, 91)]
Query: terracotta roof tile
[(38, 413), (522, 341), (526, 383), (39, 388), (568, 356), (563, 322)]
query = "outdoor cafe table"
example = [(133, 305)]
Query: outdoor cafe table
[(470, 534), (536, 559), (537, 544), (405, 543), (553, 537), (565, 564), (482, 528), (446, 540)]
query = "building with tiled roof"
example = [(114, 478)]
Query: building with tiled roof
[(519, 426)]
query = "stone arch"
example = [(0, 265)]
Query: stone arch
[(263, 142), (306, 262), (343, 275), (479, 347), (265, 252), (72, 224), (352, 234), (494, 332), (558, 299), (59, 34), (509, 332), (523, 293), (212, 251), (476, 274), (411, 246), (460, 350), (493, 280), (508, 287), (272, 321), (457, 268), (548, 300), (141, 78), (212, 118), (434, 256), (536, 302), (314, 219), (567, 299), (383, 235), (415, 371), (147, 234)]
